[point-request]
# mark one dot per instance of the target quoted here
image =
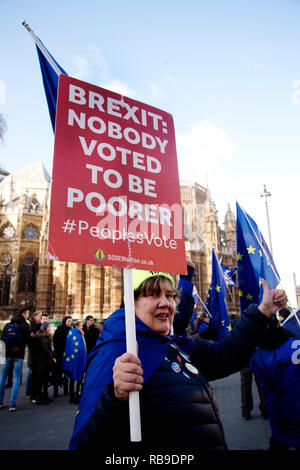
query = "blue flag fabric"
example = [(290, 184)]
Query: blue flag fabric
[(75, 355), (254, 259), (203, 326), (50, 81), (193, 320), (216, 299)]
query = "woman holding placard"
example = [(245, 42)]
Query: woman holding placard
[(178, 408)]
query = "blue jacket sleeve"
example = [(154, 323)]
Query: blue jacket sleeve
[(217, 360)]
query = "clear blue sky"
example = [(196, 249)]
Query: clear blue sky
[(227, 70)]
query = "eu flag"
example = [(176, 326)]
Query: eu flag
[(50, 70), (215, 301), (254, 259), (50, 81), (75, 355)]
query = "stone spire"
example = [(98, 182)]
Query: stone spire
[(211, 228), (230, 232), (229, 217)]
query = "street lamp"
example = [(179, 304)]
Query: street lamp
[(267, 194)]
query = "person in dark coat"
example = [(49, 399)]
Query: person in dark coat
[(44, 362), (32, 375), (205, 329), (59, 342), (246, 376), (20, 318), (91, 333), (178, 408)]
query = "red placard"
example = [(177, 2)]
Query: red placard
[(115, 196)]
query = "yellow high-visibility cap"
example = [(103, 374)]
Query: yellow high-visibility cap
[(139, 276)]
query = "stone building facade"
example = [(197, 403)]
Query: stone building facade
[(28, 277)]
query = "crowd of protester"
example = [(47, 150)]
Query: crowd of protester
[(46, 356)]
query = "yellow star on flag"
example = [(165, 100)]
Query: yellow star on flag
[(251, 250), (218, 288), (249, 297), (260, 253), (239, 257), (229, 328), (241, 293)]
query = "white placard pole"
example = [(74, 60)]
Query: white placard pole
[(134, 399)]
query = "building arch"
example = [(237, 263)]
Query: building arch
[(27, 273), (5, 277)]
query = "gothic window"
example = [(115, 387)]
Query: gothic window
[(7, 231), (5, 278), (30, 232), (27, 275)]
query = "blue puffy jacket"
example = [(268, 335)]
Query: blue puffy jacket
[(279, 374)]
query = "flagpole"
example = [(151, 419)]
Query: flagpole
[(291, 315), (42, 48), (205, 306), (266, 194), (134, 398), (231, 295)]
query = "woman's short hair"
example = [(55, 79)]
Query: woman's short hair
[(154, 285)]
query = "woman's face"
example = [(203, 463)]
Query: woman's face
[(157, 310), (69, 322)]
